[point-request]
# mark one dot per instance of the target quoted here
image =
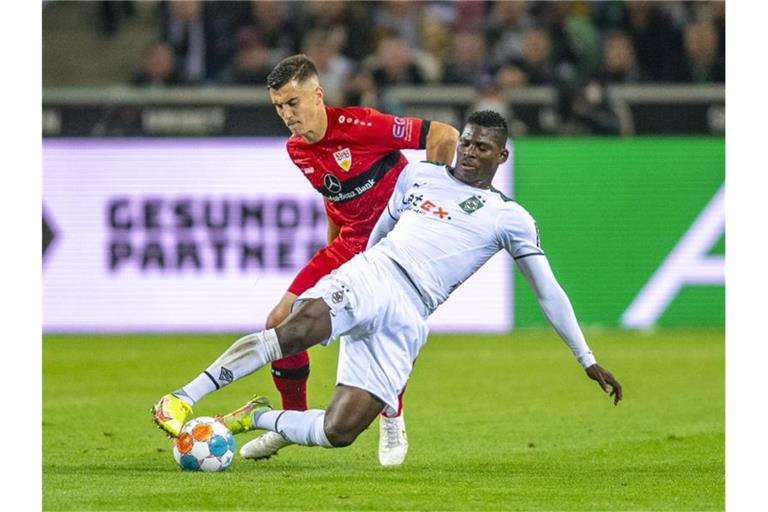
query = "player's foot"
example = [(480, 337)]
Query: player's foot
[(264, 446), (170, 413), (393, 443), (241, 420)]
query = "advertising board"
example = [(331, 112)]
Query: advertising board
[(634, 228), (197, 235)]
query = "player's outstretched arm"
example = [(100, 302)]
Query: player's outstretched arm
[(441, 142), (558, 310)]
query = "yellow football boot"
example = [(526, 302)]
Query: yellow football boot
[(170, 413), (241, 420)]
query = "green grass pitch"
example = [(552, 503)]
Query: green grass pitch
[(494, 423)]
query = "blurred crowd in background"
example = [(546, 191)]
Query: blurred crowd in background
[(360, 47), (580, 48)]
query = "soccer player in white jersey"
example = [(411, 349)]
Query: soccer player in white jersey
[(440, 226)]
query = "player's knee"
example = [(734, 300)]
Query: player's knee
[(310, 325), (340, 435)]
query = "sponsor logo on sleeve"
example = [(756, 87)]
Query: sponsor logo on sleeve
[(399, 128), (308, 170)]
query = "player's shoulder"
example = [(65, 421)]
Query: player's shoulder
[(501, 195), (425, 168), (509, 207), (350, 125), (347, 110), (294, 144), (351, 118)]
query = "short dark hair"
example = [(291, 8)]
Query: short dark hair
[(491, 119), (296, 67)]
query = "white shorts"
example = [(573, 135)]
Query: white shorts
[(381, 321)]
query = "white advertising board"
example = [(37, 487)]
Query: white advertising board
[(187, 235)]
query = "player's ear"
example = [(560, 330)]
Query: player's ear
[(503, 155), (319, 95)]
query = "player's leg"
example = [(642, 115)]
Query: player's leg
[(374, 364), (306, 327), (350, 412), (172, 409), (290, 373), (370, 369)]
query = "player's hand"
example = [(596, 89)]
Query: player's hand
[(605, 379)]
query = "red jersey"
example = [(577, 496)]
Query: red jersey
[(356, 164)]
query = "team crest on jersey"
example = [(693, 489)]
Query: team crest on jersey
[(472, 204), (344, 159), (341, 296)]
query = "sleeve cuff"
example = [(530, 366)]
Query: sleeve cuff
[(423, 133), (587, 360)]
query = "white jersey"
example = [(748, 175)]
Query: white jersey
[(428, 207)]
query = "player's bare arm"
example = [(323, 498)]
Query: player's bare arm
[(281, 310), (441, 142)]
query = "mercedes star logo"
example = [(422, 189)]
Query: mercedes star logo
[(332, 183)]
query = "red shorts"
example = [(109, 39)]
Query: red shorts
[(329, 258)]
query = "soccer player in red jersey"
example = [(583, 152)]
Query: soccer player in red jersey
[(351, 155)]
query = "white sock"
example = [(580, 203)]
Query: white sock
[(244, 357), (300, 427)]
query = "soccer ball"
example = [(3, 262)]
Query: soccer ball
[(204, 444)]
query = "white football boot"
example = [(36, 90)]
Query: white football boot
[(264, 446), (393, 443)]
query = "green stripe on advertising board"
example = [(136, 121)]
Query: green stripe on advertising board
[(632, 227)]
